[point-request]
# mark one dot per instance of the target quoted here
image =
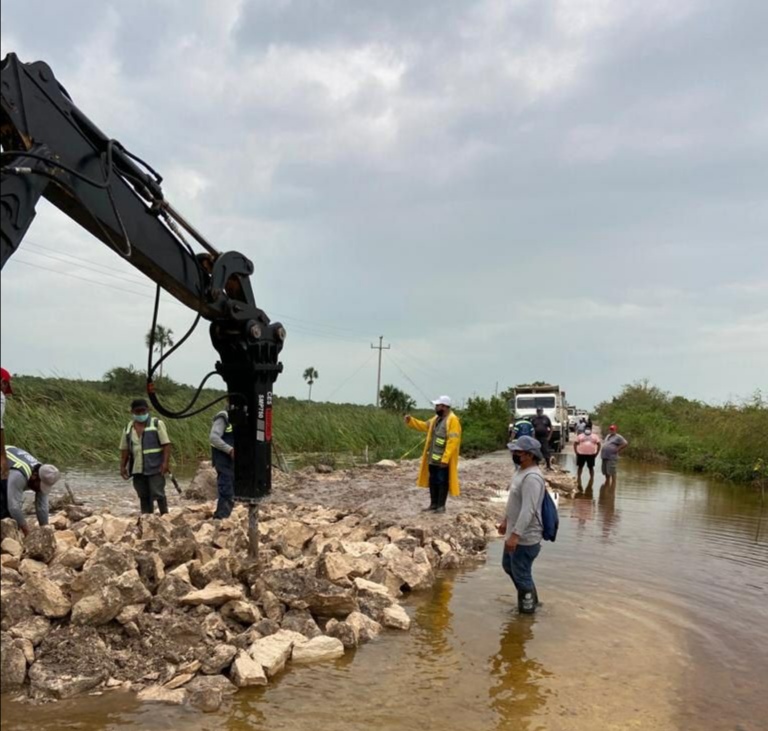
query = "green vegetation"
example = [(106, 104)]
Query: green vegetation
[(71, 422), (159, 340), (730, 441), (485, 424), (393, 399), (310, 375)]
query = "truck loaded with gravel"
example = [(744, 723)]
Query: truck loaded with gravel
[(550, 398)]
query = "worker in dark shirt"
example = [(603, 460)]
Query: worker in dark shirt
[(542, 431)]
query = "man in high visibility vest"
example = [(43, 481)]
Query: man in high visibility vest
[(222, 439), (26, 472), (440, 458), (522, 428), (145, 453)]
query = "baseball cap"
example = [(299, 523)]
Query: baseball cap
[(6, 377), (442, 400), (613, 427), (526, 444), (49, 476)]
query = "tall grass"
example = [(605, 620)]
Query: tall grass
[(80, 423), (729, 441)]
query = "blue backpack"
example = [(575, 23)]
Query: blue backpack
[(550, 520)]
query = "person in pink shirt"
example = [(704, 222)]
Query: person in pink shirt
[(586, 447)]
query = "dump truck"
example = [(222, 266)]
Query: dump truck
[(548, 397)]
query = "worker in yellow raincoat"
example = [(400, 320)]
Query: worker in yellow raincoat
[(440, 459)]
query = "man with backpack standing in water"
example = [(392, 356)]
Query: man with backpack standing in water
[(530, 517)]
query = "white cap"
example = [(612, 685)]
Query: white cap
[(49, 476), (442, 401)]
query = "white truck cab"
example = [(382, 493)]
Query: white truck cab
[(549, 398)]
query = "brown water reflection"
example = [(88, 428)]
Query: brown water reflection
[(516, 694), (655, 617)]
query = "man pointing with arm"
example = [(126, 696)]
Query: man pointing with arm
[(440, 458)]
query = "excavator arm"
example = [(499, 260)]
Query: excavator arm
[(51, 149)]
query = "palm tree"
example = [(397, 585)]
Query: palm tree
[(163, 339), (310, 376), (393, 399)]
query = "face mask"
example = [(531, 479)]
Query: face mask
[(438, 411), (516, 457), (141, 418)]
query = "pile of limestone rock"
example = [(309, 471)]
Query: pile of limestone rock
[(173, 608)]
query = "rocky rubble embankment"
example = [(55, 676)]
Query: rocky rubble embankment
[(172, 608)]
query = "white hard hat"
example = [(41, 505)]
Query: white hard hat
[(442, 401)]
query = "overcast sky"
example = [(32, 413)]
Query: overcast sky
[(507, 191)]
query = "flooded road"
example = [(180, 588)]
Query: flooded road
[(655, 617)]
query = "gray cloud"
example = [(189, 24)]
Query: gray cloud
[(567, 190)]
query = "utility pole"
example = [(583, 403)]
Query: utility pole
[(379, 347)]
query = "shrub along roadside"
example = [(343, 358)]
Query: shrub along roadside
[(728, 441), (79, 423)]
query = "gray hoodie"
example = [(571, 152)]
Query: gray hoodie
[(526, 494)]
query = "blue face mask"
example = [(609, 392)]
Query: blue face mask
[(140, 417)]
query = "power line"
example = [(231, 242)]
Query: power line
[(323, 325), (347, 380), (127, 277), (379, 347), (115, 287), (129, 280), (83, 264), (409, 379), (318, 333), (309, 326), (78, 259), (307, 331), (423, 365), (82, 279)]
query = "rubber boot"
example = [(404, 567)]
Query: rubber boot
[(526, 602), (162, 504), (432, 499), (442, 498)]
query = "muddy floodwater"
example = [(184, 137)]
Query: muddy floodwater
[(655, 617)]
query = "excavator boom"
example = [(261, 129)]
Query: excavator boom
[(51, 149)]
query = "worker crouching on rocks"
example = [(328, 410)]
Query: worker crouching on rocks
[(28, 473), (440, 458)]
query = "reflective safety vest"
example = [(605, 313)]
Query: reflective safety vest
[(151, 449), (22, 461), (439, 440)]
